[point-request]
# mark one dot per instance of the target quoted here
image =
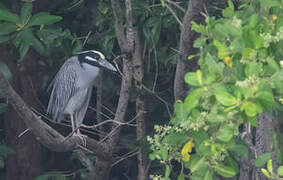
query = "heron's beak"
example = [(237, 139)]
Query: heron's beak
[(108, 65)]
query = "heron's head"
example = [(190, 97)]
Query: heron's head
[(95, 58)]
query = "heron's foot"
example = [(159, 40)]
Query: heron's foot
[(81, 136)]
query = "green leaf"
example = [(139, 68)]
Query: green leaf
[(167, 171), (277, 80), (192, 100), (269, 166), (196, 163), (208, 175), (4, 38), (191, 79), (212, 65), (164, 153), (262, 159), (7, 28), (232, 163), (152, 156), (225, 98), (180, 112), (2, 108), (269, 3), (251, 109), (199, 42), (265, 172), (199, 28), (222, 49), (181, 176), (6, 15), (266, 99), (252, 120), (193, 56), (43, 18), (273, 64), (28, 38), (280, 171), (4, 69), (229, 11), (225, 171), (240, 150), (226, 134), (174, 139), (26, 12), (24, 47), (237, 45), (253, 68)]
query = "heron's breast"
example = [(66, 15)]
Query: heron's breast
[(76, 102), (87, 76)]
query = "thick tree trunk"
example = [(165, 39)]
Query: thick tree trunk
[(140, 107), (186, 47), (27, 162)]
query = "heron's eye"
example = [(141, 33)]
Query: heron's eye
[(90, 58)]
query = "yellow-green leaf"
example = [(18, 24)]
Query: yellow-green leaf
[(265, 172), (225, 171), (222, 49), (199, 77), (186, 150), (269, 166), (225, 98)]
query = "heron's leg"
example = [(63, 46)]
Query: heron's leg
[(83, 137), (72, 121)]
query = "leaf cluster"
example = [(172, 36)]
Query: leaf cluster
[(240, 76)]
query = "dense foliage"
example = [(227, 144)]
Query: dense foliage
[(240, 76)]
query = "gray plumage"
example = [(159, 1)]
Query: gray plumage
[(72, 86)]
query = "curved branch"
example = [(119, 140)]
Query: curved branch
[(187, 38), (119, 27), (45, 134)]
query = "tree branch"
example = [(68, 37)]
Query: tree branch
[(45, 134), (195, 7), (119, 28)]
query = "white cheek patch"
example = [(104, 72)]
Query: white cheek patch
[(90, 58)]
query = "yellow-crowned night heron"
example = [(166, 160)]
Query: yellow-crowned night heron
[(72, 86)]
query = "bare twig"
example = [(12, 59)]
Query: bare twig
[(115, 129), (176, 4), (156, 70), (126, 156), (175, 16), (158, 97), (94, 109), (108, 121), (62, 124), (87, 37)]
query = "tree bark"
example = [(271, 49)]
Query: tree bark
[(126, 43), (186, 47), (140, 108), (27, 162)]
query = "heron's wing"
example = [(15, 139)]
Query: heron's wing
[(64, 87), (79, 116)]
